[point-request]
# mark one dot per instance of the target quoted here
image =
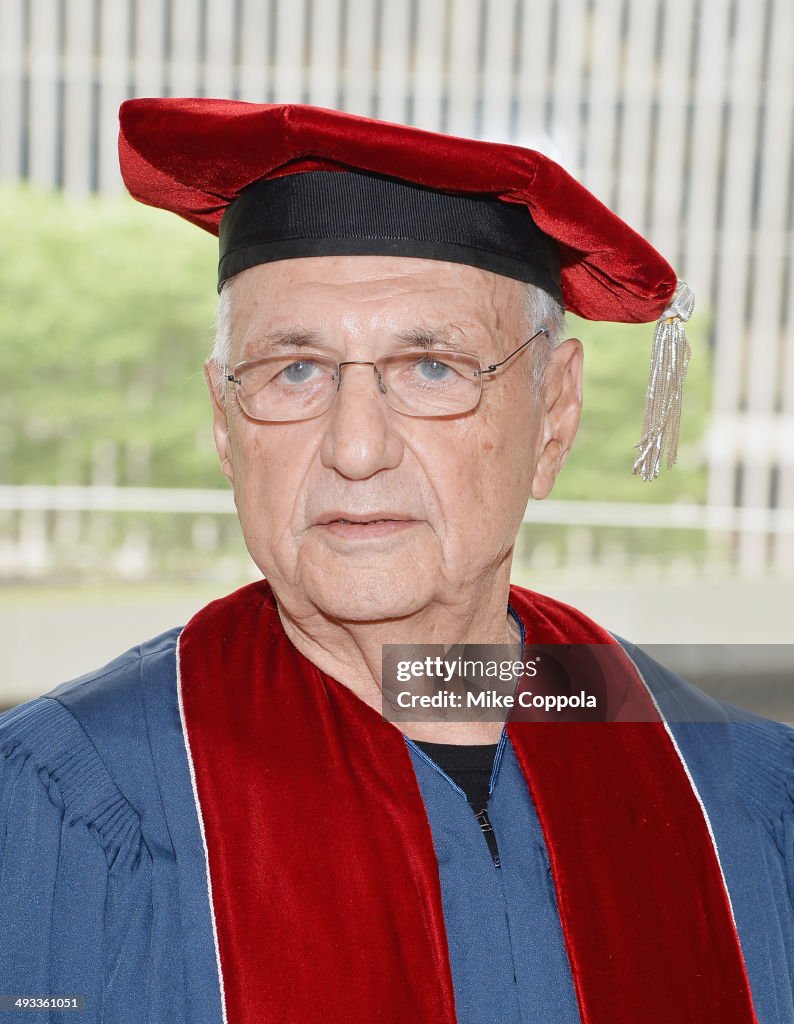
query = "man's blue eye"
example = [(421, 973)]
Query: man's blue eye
[(434, 369), (299, 372)]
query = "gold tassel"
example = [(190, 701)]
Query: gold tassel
[(669, 361)]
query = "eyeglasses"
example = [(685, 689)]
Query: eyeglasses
[(281, 389)]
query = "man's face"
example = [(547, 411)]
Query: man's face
[(458, 485)]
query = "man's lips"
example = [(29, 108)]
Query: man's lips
[(368, 518), (352, 526)]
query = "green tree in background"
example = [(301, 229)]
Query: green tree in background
[(106, 315)]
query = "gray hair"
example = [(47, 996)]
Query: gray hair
[(222, 345), (540, 310)]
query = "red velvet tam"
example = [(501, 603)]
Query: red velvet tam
[(278, 181)]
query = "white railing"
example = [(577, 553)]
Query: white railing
[(194, 501), (138, 533)]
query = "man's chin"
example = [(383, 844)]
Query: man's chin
[(366, 596)]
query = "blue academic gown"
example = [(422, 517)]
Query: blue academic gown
[(102, 873)]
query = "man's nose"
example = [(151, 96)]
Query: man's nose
[(360, 438)]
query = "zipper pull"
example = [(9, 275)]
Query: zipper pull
[(490, 838), (484, 820)]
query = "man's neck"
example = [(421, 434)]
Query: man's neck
[(351, 652)]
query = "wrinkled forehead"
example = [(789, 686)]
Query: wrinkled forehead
[(359, 294)]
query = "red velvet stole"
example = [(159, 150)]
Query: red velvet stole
[(324, 881)]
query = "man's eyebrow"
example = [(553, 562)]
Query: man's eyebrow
[(289, 338), (430, 338)]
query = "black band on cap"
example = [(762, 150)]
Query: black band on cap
[(351, 213)]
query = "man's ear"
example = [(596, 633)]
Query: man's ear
[(220, 423), (561, 395)]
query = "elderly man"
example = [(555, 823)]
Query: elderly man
[(222, 824)]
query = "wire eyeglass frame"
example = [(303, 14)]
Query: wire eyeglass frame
[(234, 376)]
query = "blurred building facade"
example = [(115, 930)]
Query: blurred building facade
[(677, 113)]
